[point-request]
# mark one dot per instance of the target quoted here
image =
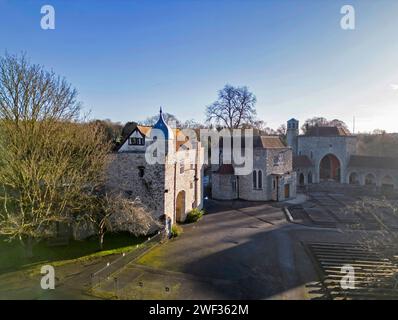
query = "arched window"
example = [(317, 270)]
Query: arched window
[(182, 167), (354, 179), (260, 179), (301, 179), (254, 179), (310, 178), (370, 180)]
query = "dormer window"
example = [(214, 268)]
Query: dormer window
[(137, 141)]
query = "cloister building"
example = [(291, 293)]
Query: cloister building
[(330, 154)]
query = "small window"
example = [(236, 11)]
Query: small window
[(141, 171), (191, 185), (182, 167), (233, 185), (260, 179), (254, 179), (137, 141), (274, 184)]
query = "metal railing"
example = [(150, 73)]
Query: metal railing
[(111, 268)]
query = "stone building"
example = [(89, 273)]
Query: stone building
[(169, 189), (272, 177), (330, 154)]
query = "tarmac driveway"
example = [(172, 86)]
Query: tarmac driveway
[(239, 250)]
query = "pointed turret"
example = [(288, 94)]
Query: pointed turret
[(164, 127)]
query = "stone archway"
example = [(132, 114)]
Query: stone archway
[(370, 180), (353, 178), (330, 168), (180, 206), (310, 177), (301, 179)]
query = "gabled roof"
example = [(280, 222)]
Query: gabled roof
[(373, 162), (145, 130), (271, 142), (262, 142), (327, 132), (302, 161)]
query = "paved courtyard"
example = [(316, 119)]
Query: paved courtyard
[(239, 250)]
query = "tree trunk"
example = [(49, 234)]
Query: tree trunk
[(27, 244), (101, 240)]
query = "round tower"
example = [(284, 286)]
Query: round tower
[(292, 134)]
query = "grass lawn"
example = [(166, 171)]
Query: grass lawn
[(12, 255)]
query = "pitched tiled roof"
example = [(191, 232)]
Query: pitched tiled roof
[(269, 142), (263, 142), (226, 169), (301, 162), (327, 132), (145, 130), (373, 162)]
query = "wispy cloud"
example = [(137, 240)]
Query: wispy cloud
[(394, 86)]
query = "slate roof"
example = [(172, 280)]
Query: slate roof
[(302, 162), (226, 169)]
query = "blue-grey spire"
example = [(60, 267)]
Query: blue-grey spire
[(162, 125)]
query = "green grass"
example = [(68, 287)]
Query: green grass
[(12, 255)]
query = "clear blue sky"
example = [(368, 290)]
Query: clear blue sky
[(127, 58)]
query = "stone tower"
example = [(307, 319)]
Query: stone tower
[(292, 134)]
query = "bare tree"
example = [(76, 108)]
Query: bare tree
[(382, 212), (235, 106), (282, 132), (322, 122), (49, 162), (113, 131), (168, 117), (375, 234), (378, 144), (112, 212)]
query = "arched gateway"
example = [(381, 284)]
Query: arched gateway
[(330, 168), (180, 206)]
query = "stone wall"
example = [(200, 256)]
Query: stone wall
[(290, 180), (378, 175), (246, 190), (316, 148), (270, 162), (222, 188), (123, 176)]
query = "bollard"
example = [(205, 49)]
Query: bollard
[(115, 281)]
